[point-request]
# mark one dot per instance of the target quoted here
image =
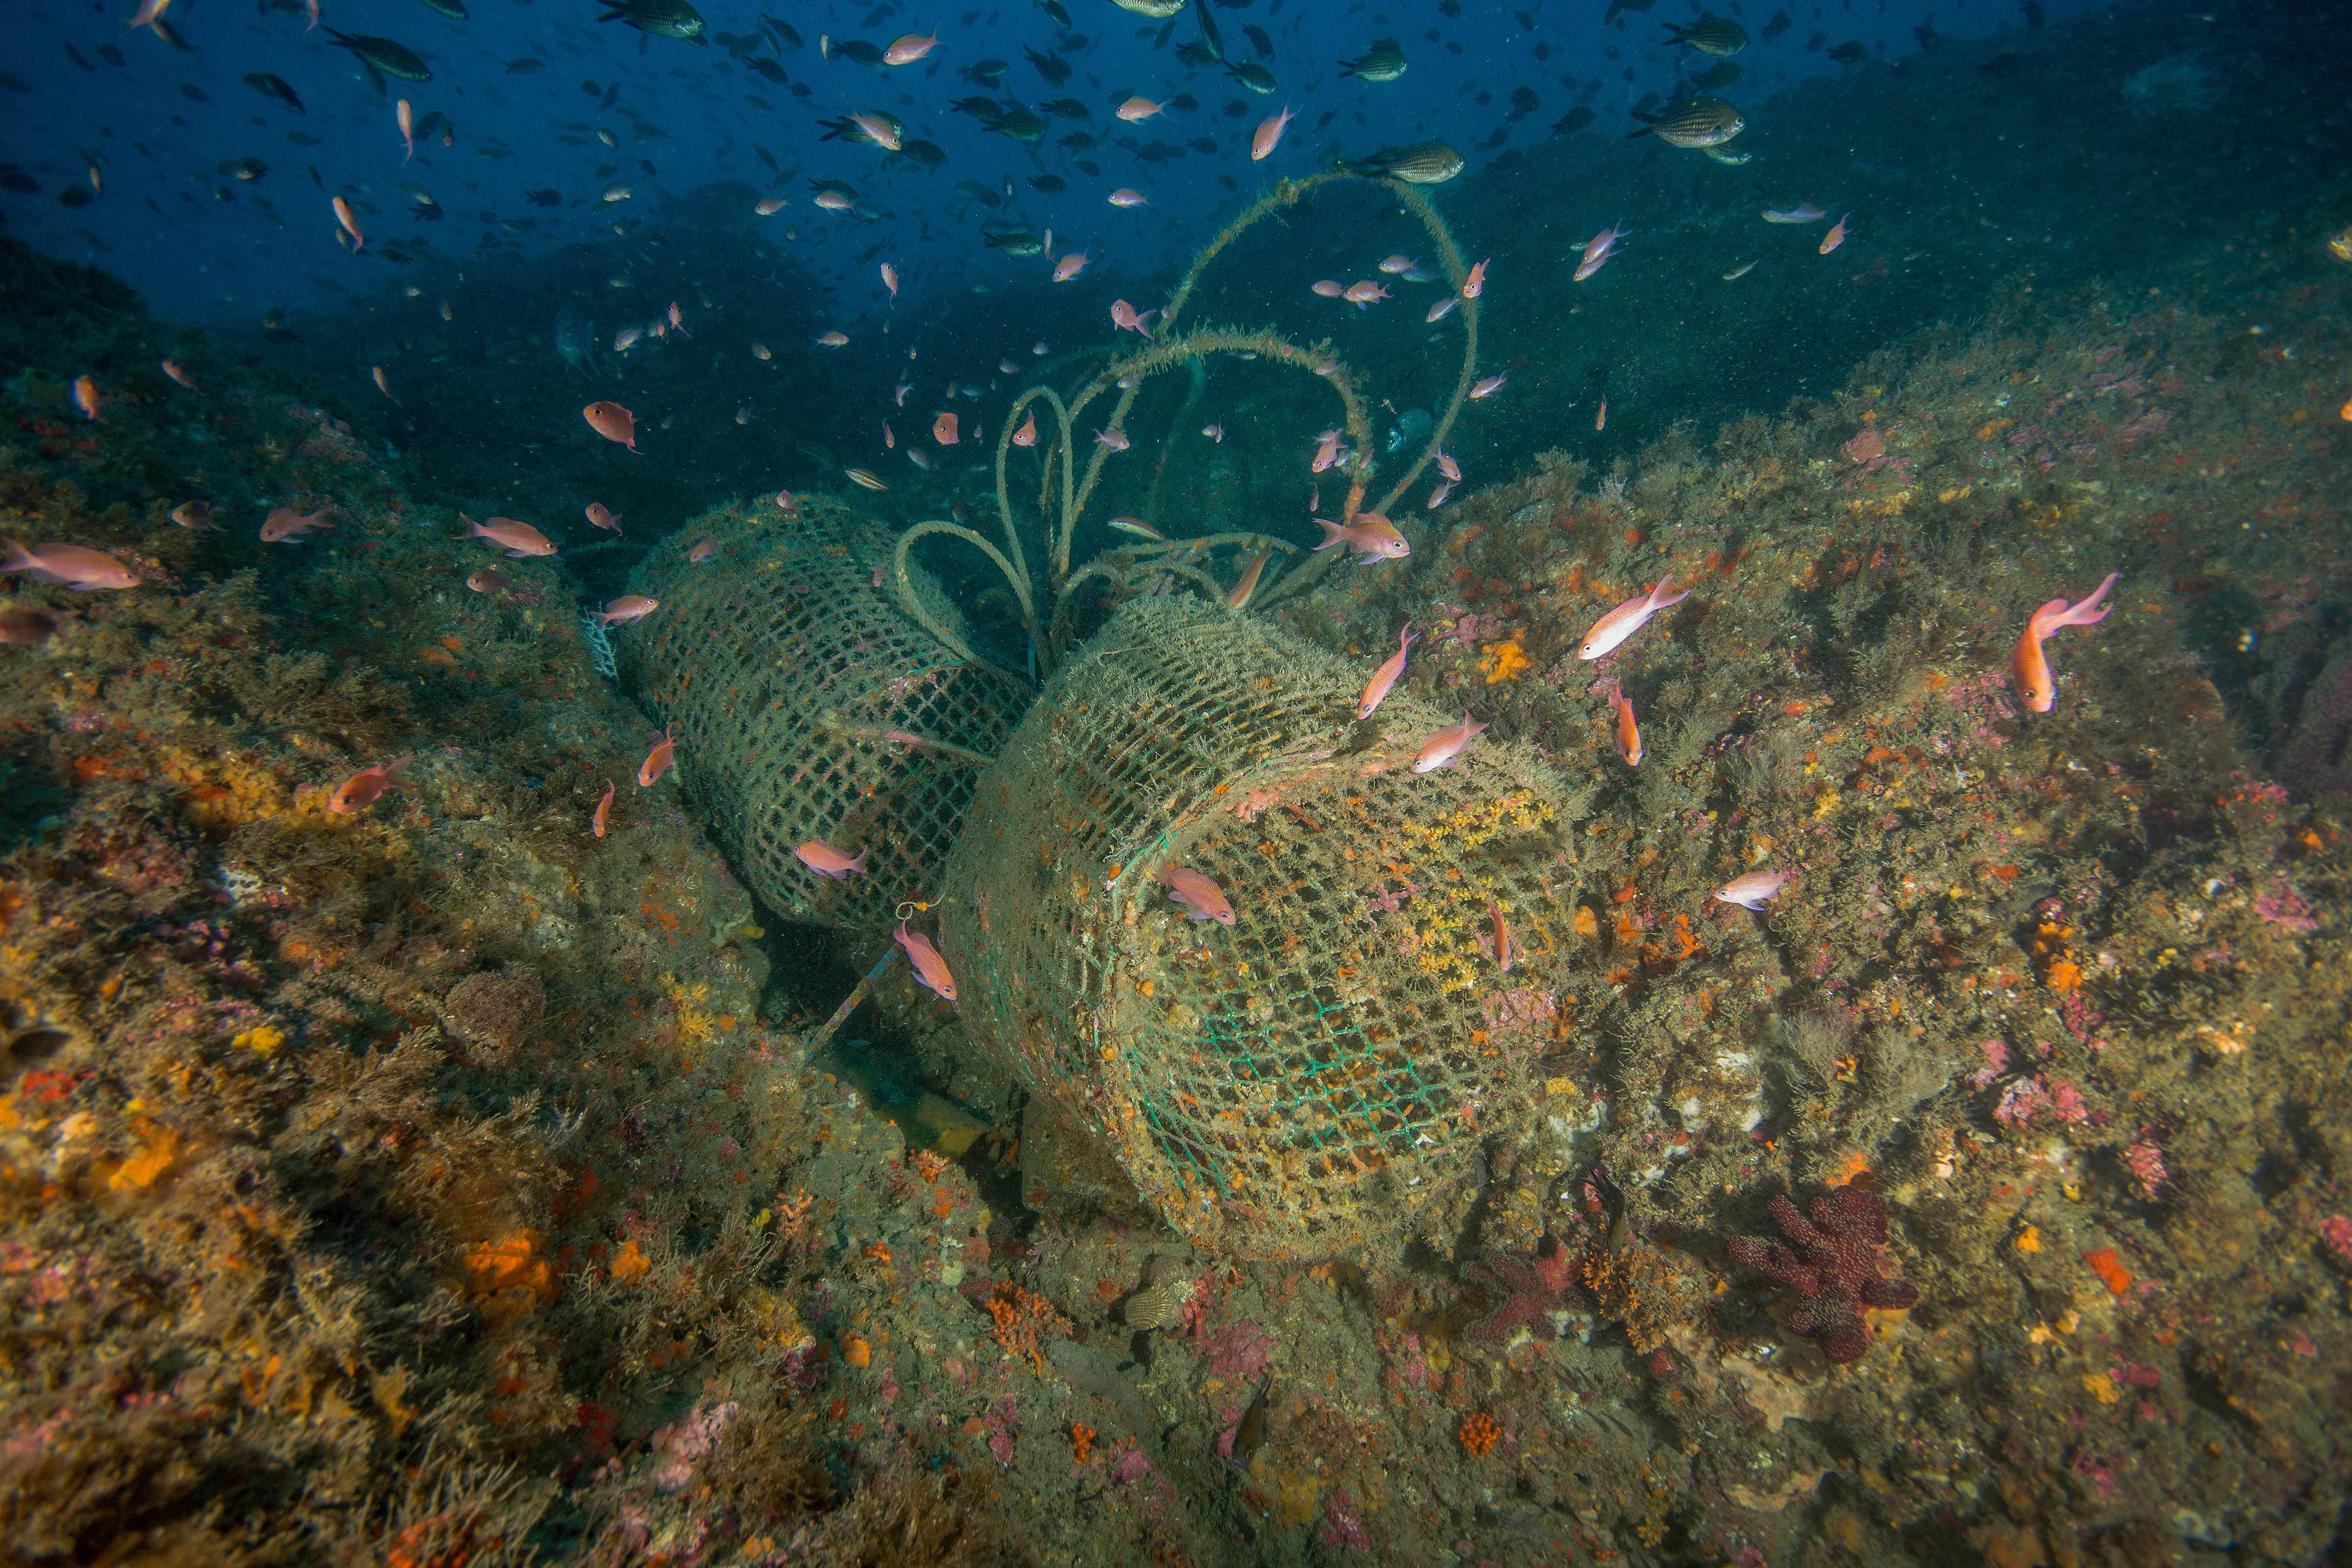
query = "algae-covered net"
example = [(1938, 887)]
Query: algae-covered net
[(1299, 1081), (807, 705)]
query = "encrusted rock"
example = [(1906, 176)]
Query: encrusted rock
[(493, 1013)]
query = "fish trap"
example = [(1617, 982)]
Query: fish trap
[(807, 705), (1301, 1081)]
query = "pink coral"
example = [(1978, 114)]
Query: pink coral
[(2337, 1232), (2283, 905), (1238, 1350)]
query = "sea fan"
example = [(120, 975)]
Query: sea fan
[(2177, 84)]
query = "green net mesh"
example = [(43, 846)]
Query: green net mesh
[(807, 705), (1300, 1081)]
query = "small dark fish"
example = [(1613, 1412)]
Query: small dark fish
[(929, 154), (1718, 76), (1254, 75), (2034, 16), (979, 193), (544, 198), (2003, 64), (526, 65), (1052, 184), (1524, 101), (1852, 52), (1019, 124), (1077, 141), (275, 87), (1695, 122), (1423, 163), (784, 31), (663, 18), (304, 138), (1929, 39), (1249, 1436), (247, 169), (1780, 24), (1617, 7), (1056, 12), (1066, 108), (76, 196), (75, 55), (1203, 145), (857, 51), (1258, 40), (26, 628), (769, 68), (1050, 66), (1710, 35), (112, 56), (194, 93), (984, 73), (383, 55), (1384, 61), (13, 178), (453, 9), (1196, 55), (1013, 241)]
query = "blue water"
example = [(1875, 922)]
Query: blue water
[(162, 127)]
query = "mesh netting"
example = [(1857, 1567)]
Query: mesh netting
[(802, 696), (1297, 1082)]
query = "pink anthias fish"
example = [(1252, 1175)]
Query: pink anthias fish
[(171, 368), (405, 117), (1489, 385), (910, 48), (1137, 109), (929, 968), (1804, 212), (1126, 197), (1199, 893), (1364, 294), (1442, 310), (367, 787), (517, 539), (1754, 891), (1437, 497), (1377, 688), (86, 398), (602, 516), (657, 761), (1327, 451), (827, 861), (1837, 236), (1447, 466), (1115, 440), (1070, 266), (69, 567), (284, 524), (1628, 619), (1475, 284), (1440, 749), (2027, 664), (1598, 251), (602, 821), (836, 338), (628, 607), (1124, 316), (877, 130), (1328, 289), (1268, 134), (703, 550), (1372, 534), (890, 281), (1502, 937)]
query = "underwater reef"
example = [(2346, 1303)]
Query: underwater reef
[(477, 1173)]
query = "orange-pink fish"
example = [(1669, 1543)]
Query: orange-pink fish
[(171, 368), (703, 550), (1269, 135), (517, 539), (910, 48), (943, 429), (405, 118), (1364, 294), (284, 524), (1754, 891), (1502, 937), (350, 220), (628, 607), (928, 966), (1475, 284), (657, 761), (1126, 196), (367, 787), (86, 397), (1028, 435), (1628, 731), (1138, 108), (827, 861), (1199, 893), (1124, 318), (68, 566), (2027, 664), (1628, 619), (602, 516), (1069, 267), (603, 820), (1377, 688), (613, 422), (1837, 236), (1372, 534), (1440, 749)]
